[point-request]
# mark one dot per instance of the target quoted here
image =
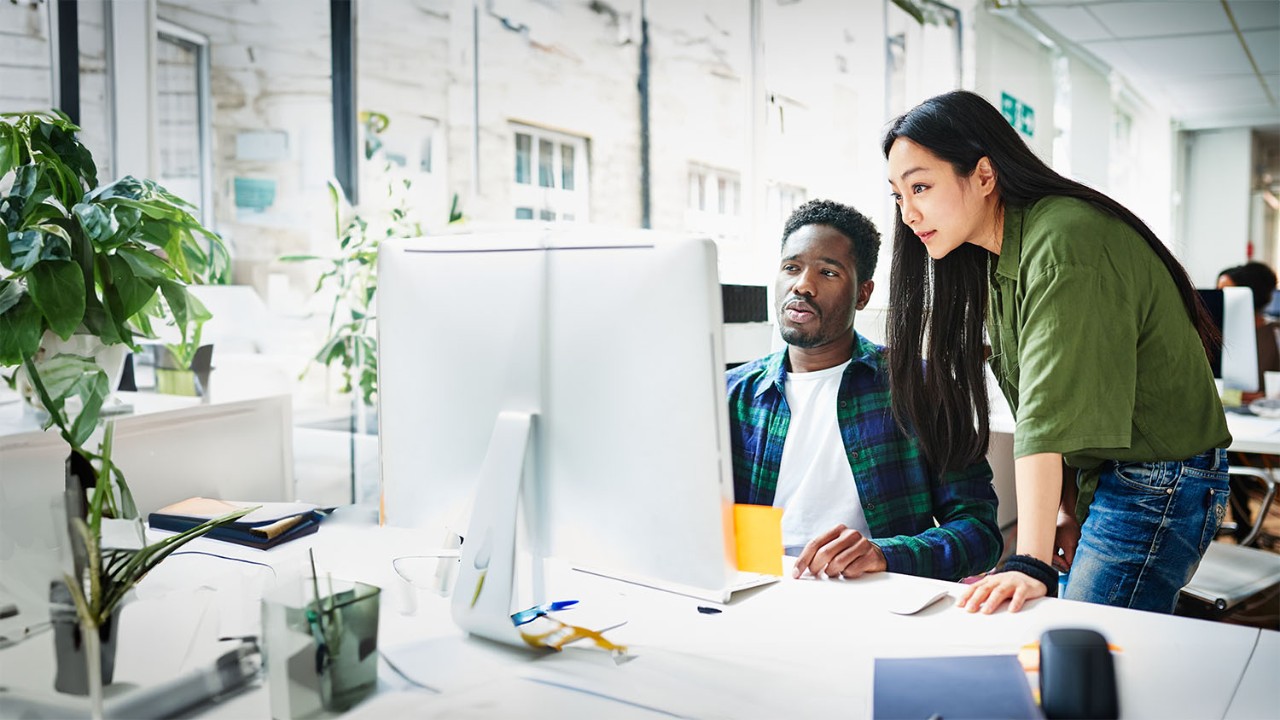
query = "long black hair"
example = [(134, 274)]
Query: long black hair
[(944, 303)]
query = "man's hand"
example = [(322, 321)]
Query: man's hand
[(991, 591), (1065, 539), (840, 552)]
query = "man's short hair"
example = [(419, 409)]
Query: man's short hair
[(855, 226)]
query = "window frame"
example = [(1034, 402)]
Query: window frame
[(167, 31), (539, 199)]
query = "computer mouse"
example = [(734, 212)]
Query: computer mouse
[(1077, 675)]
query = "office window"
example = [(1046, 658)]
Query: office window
[(182, 116), (566, 167), (561, 190), (715, 202), (546, 157), (524, 151), (781, 200), (717, 192)]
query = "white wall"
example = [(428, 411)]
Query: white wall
[(1010, 61), (1215, 202), (25, 58), (1091, 118)]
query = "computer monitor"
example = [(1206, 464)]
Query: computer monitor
[(612, 341), (1236, 363)]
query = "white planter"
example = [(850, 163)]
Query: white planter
[(108, 357)]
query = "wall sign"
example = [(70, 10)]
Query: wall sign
[(1019, 114)]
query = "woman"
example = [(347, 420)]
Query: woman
[(1098, 340)]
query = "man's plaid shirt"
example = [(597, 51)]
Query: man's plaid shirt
[(900, 496)]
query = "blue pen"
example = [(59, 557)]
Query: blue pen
[(537, 611)]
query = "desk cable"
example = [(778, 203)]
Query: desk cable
[(405, 676)]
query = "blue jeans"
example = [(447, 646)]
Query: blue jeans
[(1148, 526)]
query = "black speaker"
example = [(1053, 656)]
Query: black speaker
[(1077, 676)]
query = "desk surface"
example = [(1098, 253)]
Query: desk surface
[(764, 655), (1249, 433)]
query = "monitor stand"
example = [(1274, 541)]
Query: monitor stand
[(483, 595)]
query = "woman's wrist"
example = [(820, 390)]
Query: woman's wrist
[(1034, 568)]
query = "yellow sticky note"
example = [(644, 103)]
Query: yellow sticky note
[(758, 532)]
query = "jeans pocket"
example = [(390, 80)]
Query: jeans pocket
[(1152, 477), (1213, 519)]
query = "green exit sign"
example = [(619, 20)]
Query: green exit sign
[(1019, 114)]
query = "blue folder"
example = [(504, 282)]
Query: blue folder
[(981, 687)]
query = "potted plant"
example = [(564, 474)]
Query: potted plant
[(85, 268), (96, 263), (351, 273), (183, 368), (350, 276)]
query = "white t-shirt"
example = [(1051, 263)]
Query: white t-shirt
[(815, 483)]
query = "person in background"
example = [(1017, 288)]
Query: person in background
[(1262, 281), (1100, 345), (811, 430)]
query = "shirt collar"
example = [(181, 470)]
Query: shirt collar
[(1011, 243), (865, 353)]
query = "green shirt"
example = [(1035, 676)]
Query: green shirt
[(1092, 344)]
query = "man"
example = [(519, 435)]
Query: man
[(812, 431)]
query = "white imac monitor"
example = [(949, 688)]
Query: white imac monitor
[(1236, 364), (613, 341)]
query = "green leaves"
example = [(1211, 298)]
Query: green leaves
[(9, 148), (57, 288), (20, 326), (63, 377)]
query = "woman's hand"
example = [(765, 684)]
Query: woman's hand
[(1065, 539), (989, 593)]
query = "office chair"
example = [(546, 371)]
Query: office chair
[(1231, 574)]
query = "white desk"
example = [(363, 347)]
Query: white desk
[(801, 648), (1252, 434), (1249, 433), (169, 448)]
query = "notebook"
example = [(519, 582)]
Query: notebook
[(269, 525)]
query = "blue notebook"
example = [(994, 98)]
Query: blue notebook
[(980, 687)]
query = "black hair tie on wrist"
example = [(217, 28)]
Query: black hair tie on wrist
[(1032, 567)]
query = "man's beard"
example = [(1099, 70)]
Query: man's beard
[(803, 340)]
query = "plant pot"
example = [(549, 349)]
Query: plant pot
[(108, 357), (72, 675), (172, 379)]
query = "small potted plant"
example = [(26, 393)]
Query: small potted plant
[(84, 269)]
